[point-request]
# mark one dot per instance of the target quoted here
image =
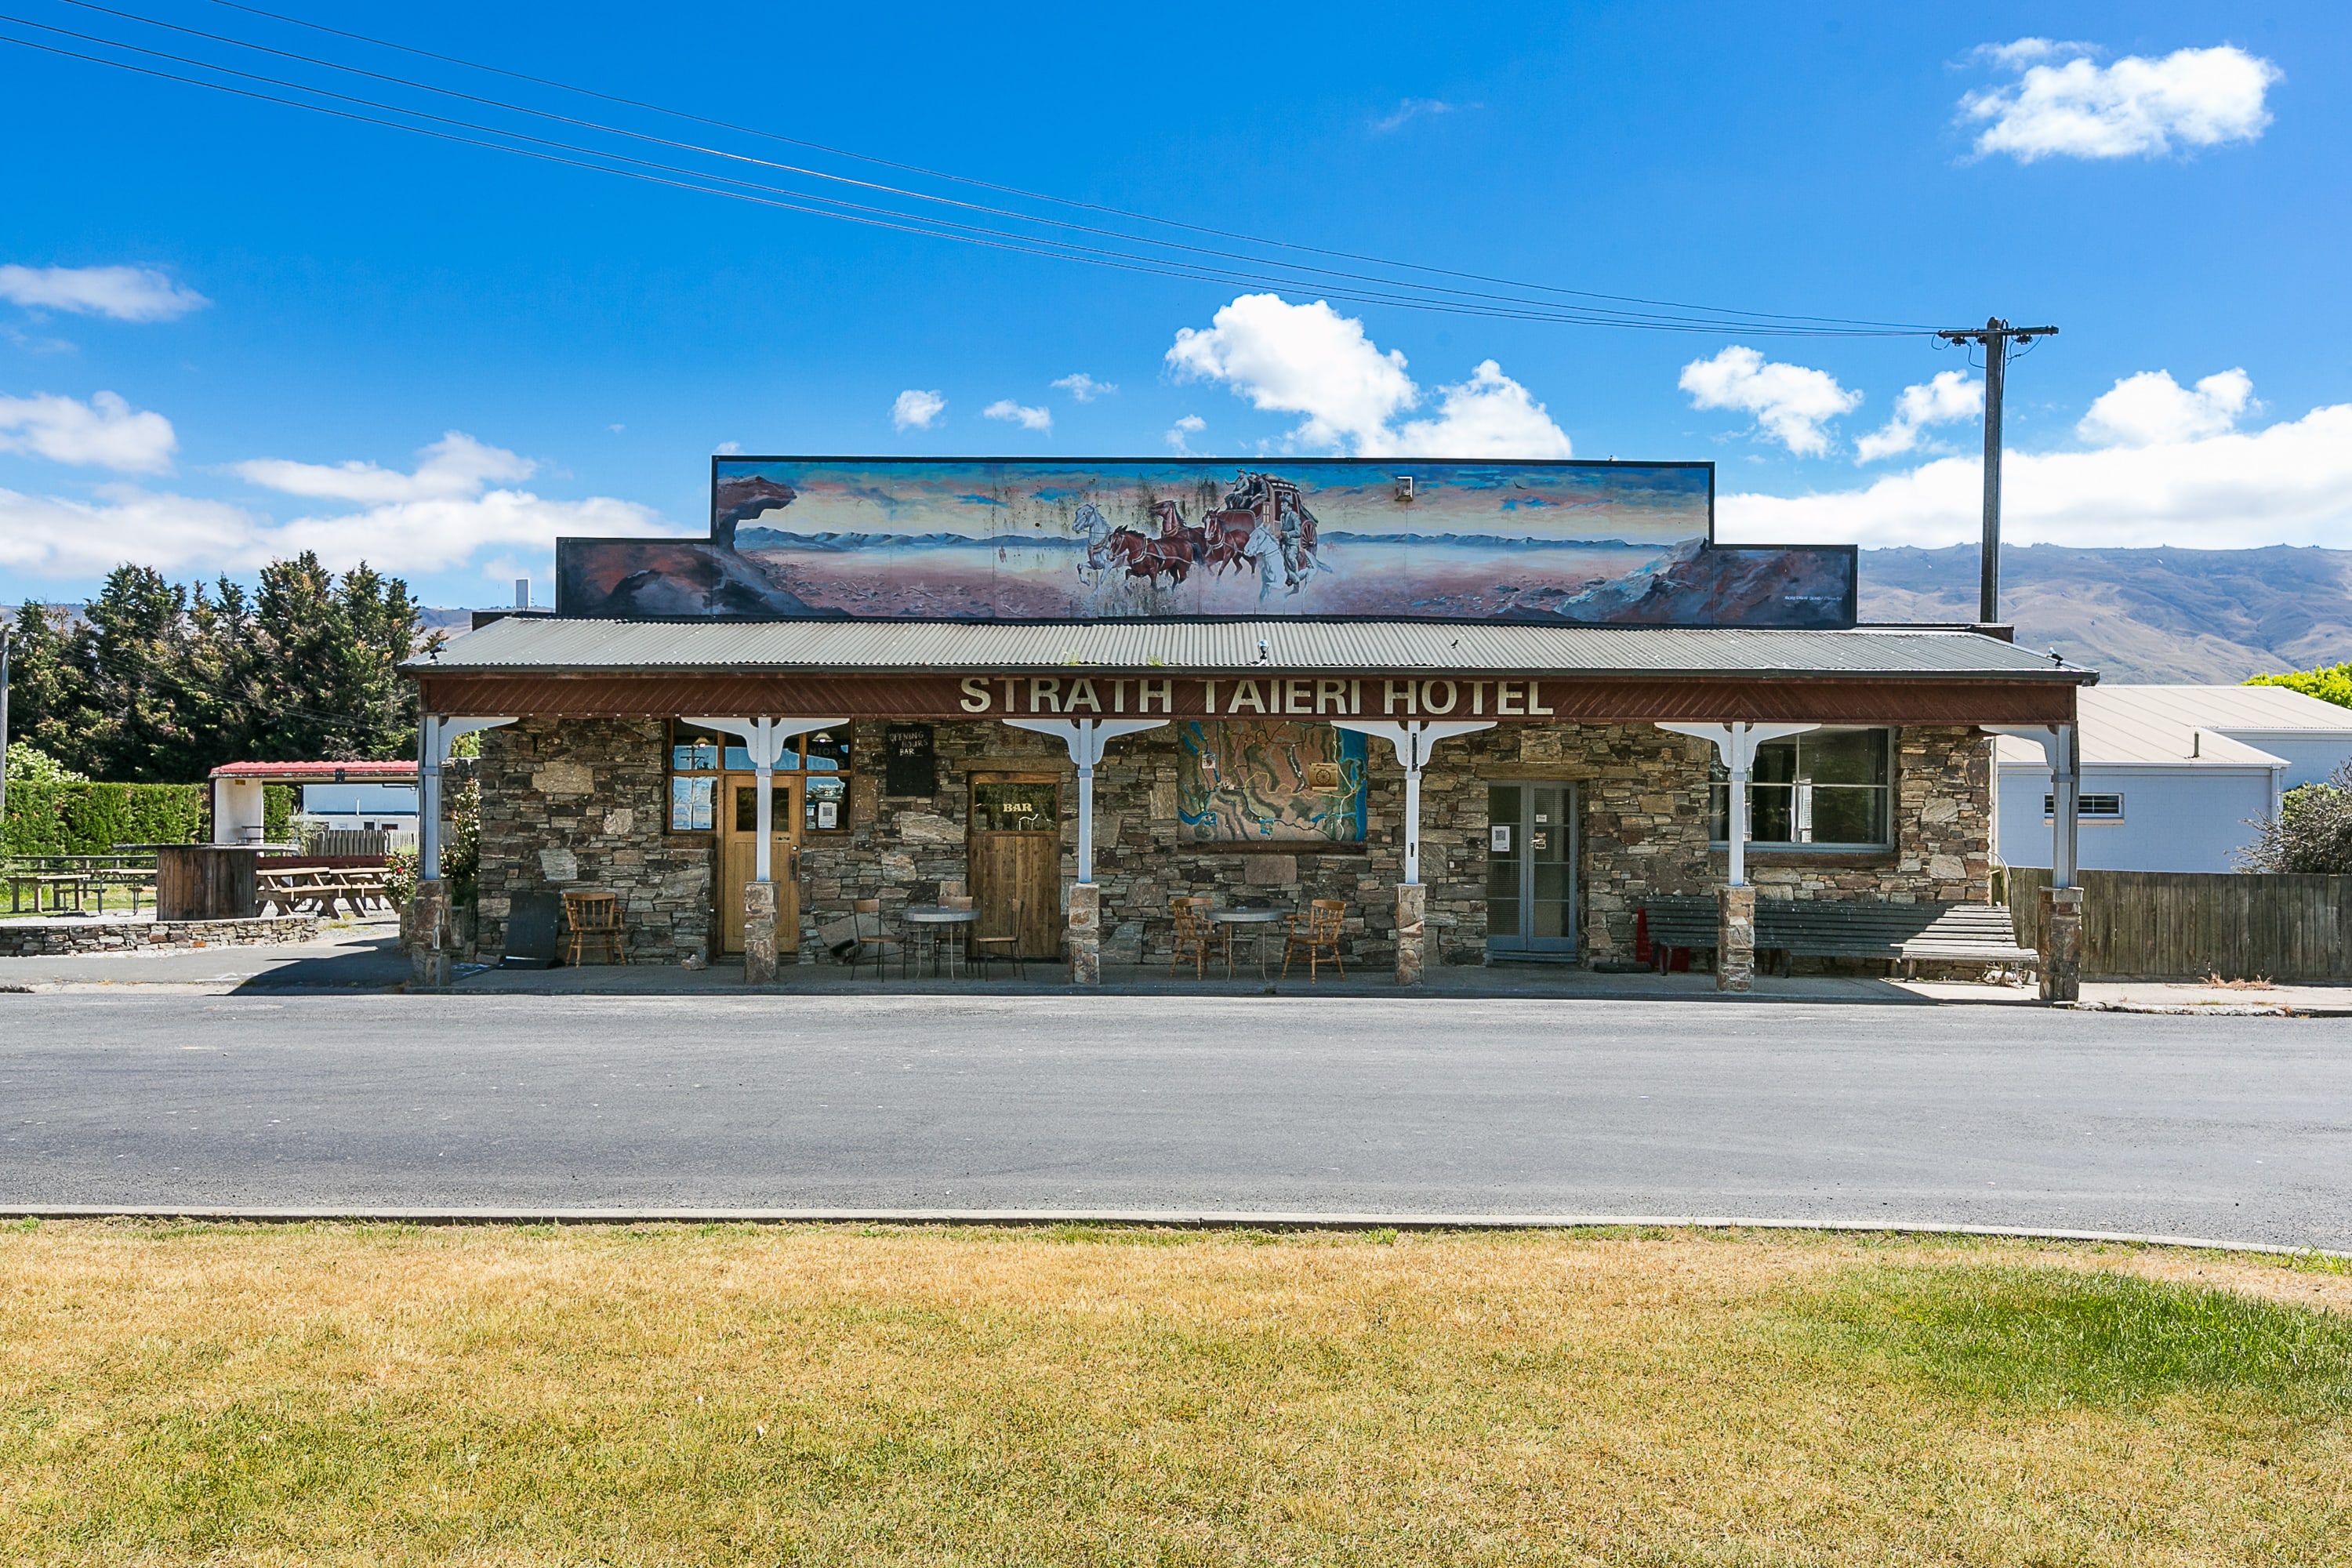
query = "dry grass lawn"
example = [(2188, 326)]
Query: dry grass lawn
[(233, 1394)]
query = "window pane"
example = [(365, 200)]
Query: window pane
[(1847, 815), (998, 807), (1771, 812), (1776, 763), (827, 805), (1845, 757), (747, 809), (828, 752)]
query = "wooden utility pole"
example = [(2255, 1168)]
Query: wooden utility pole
[(1995, 338)]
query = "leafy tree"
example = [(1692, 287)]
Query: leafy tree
[(2312, 832), (133, 653), (2329, 682), (29, 764), (47, 693)]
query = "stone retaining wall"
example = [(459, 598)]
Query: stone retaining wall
[(43, 939)]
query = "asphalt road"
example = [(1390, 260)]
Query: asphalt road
[(2231, 1128)]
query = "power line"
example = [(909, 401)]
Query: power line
[(1347, 278), (1036, 196), (1193, 263)]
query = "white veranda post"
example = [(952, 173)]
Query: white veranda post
[(2061, 750), (1414, 739), (1736, 744), (1086, 737), (434, 735), (764, 740)]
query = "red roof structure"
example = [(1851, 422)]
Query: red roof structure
[(319, 772)]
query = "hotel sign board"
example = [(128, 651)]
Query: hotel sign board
[(1552, 544)]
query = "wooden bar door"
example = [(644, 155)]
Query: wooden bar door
[(1014, 850), (739, 849)]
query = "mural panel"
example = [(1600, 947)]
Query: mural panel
[(1269, 781), (951, 539)]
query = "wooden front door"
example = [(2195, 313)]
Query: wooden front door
[(739, 848), (1014, 852)]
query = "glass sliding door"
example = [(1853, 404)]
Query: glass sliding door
[(1531, 868)]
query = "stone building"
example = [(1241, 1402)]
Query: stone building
[(1466, 791)]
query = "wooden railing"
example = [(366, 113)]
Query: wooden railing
[(2185, 925)]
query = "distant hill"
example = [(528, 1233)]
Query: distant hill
[(2199, 616), (2132, 615)]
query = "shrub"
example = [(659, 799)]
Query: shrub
[(2312, 832), (92, 818), (2329, 683)]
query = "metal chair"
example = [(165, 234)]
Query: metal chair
[(594, 919), (1193, 933), (881, 940), (1315, 933), (986, 949)]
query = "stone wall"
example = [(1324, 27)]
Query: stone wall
[(583, 803), (45, 938)]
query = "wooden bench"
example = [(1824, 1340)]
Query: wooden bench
[(1678, 924), (1903, 935)]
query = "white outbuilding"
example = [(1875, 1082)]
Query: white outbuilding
[(2174, 777)]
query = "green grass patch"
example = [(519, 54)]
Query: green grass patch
[(2058, 1337)]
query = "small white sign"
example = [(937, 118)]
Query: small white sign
[(1499, 839)]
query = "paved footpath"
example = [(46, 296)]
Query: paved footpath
[(2221, 1127)]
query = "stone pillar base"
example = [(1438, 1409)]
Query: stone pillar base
[(1086, 933), (758, 933), (1735, 938), (1412, 931), (428, 937), (2062, 945)]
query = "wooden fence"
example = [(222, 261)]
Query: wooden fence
[(2184, 925)]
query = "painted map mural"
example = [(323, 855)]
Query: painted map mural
[(956, 538), (1271, 781)]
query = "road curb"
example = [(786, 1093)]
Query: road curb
[(1175, 1219)]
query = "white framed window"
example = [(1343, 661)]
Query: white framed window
[(2104, 807)]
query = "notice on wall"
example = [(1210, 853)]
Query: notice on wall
[(909, 767)]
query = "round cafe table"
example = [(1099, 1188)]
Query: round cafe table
[(937, 920), (1257, 919)]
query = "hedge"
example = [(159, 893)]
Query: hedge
[(92, 818)]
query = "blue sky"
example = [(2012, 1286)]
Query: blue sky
[(439, 356)]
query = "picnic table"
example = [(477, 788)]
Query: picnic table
[(321, 888), (77, 876)]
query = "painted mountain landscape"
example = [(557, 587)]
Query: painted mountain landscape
[(1604, 544)]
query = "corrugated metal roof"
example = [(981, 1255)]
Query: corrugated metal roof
[(2188, 726), (548, 645)]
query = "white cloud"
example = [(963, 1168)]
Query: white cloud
[(1949, 397), (914, 409), (1488, 416), (2024, 52), (1183, 430), (1409, 109), (1301, 359), (2135, 107), (125, 293), (2150, 407), (1004, 408), (1791, 402), (1085, 388), (103, 433), (2288, 484), (1310, 360), (456, 464), (726, 449)]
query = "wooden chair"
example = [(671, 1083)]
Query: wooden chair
[(1193, 933), (1315, 933), (883, 942), (594, 919), (983, 949)]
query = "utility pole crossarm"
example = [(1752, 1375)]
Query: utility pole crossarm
[(1995, 337)]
